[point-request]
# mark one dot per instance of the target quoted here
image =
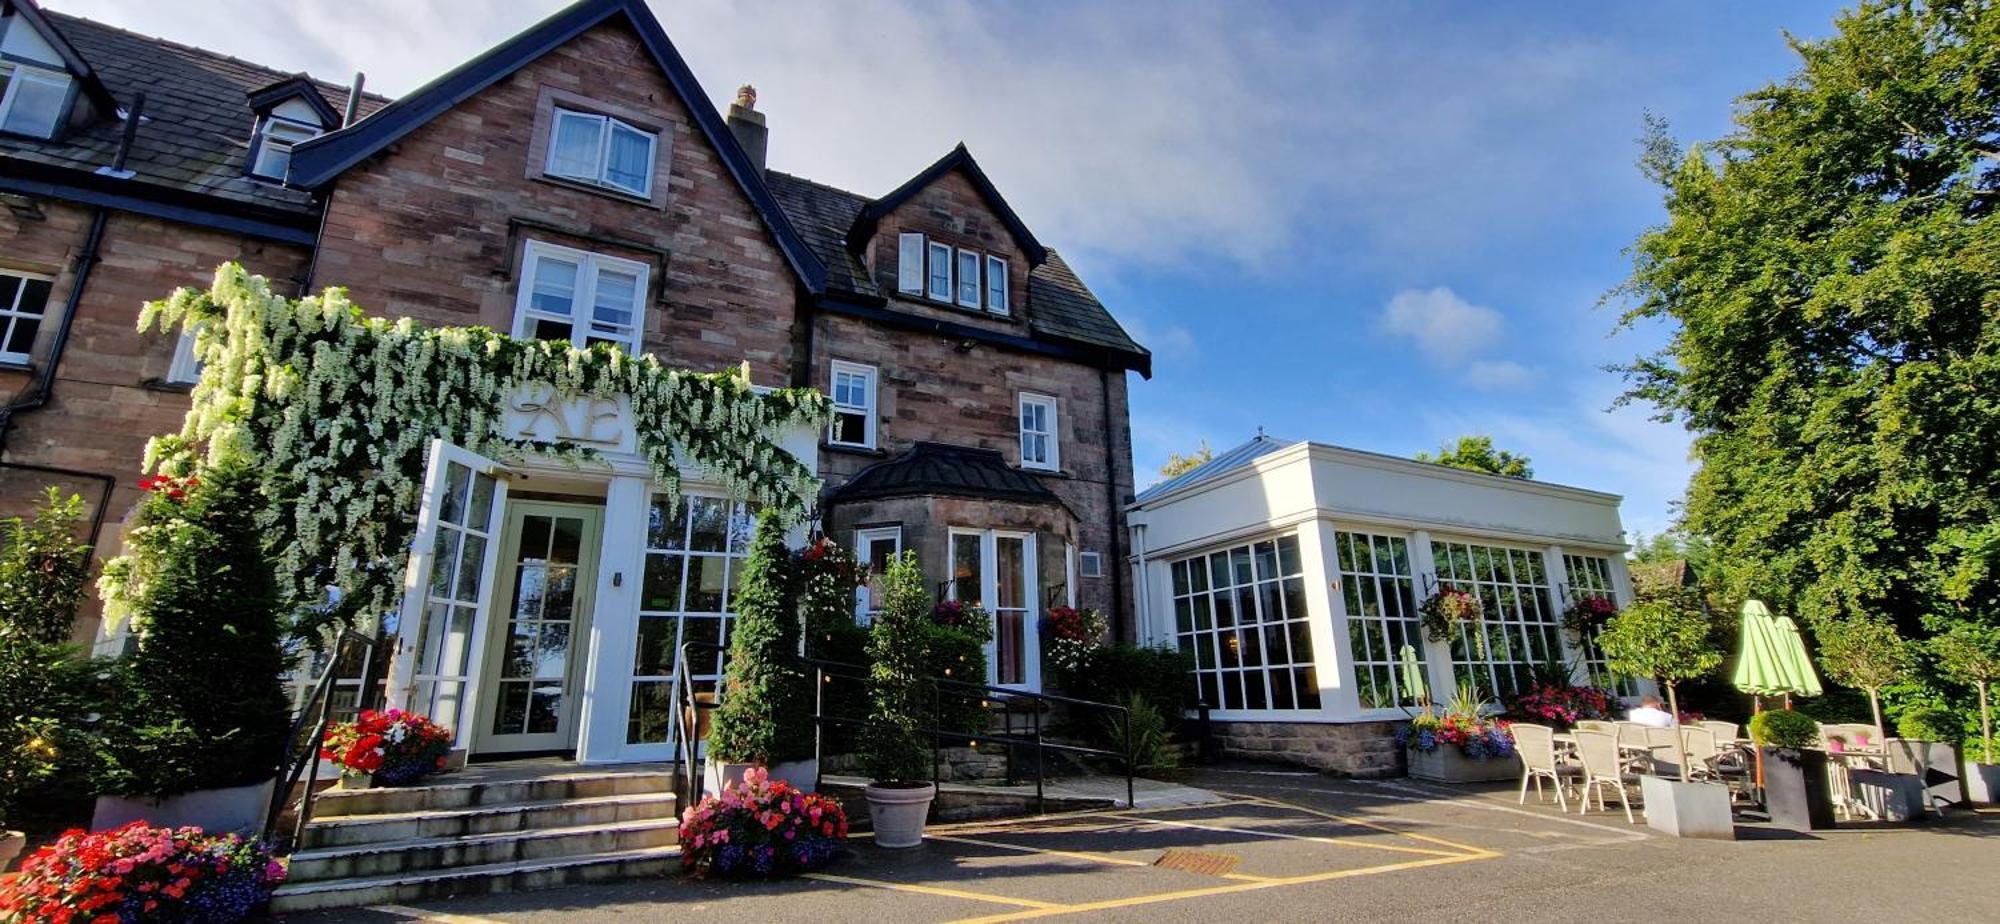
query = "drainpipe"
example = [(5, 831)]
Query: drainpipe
[(1116, 553)]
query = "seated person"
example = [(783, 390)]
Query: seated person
[(1649, 713)]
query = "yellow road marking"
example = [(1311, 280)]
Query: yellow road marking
[(1220, 890), (431, 917), (1364, 823), (1075, 854), (934, 890), (1253, 832)]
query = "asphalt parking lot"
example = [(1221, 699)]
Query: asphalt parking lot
[(1306, 847)]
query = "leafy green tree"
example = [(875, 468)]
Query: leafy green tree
[(1829, 275), (1970, 653), (765, 713), (1178, 465), (1666, 637), (1866, 653), (1476, 454), (893, 746), (43, 569)]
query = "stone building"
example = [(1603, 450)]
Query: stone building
[(573, 182)]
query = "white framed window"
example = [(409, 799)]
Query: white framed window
[(996, 285), (874, 546), (996, 570), (602, 151), (581, 297), (1519, 630), (24, 302), (910, 263), (275, 137), (696, 547), (940, 271), (186, 368), (968, 279), (1039, 446), (32, 99), (1590, 576), (853, 387), (1091, 564), (1378, 585), (1241, 613)]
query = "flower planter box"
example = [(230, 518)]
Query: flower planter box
[(1797, 792), (1687, 809), (217, 811), (1447, 764)]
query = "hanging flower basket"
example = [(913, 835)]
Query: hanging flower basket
[(1446, 608), (1587, 614)]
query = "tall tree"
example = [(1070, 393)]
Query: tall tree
[(1476, 453), (1178, 465), (1830, 274)]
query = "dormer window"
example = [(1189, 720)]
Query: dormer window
[(32, 99), (601, 151), (272, 156), (953, 275)]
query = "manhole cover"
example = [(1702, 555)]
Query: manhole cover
[(1198, 861)]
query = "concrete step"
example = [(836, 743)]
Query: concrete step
[(515, 876), (354, 830), (459, 795), (381, 859)]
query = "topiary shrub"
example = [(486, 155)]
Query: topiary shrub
[(1931, 723), (1110, 673), (42, 570), (204, 605), (1783, 728), (765, 716), (894, 745)]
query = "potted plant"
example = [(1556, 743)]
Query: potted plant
[(1867, 654), (765, 715), (141, 872), (761, 827), (1666, 636), (893, 750), (1797, 793), (202, 727), (1970, 653), (391, 748), (1461, 744), (1587, 614), (1068, 635), (1448, 607)]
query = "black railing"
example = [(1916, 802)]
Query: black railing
[(302, 744), (686, 725)]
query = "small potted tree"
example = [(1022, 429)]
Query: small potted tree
[(1796, 791), (892, 746), (1666, 636), (1970, 653), (1868, 654), (764, 719)]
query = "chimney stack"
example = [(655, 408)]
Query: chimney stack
[(747, 124)]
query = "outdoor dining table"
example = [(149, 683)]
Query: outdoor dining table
[(1568, 741)]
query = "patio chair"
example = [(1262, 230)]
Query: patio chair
[(1597, 725), (1663, 745), (1537, 746), (1725, 732), (1598, 753), (1702, 752), (1632, 734)]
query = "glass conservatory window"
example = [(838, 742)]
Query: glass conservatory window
[(1241, 612), (1519, 631), (1386, 637)]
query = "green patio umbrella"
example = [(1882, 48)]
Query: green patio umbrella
[(1414, 686), (1773, 660)]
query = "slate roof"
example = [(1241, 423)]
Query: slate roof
[(1227, 461), (943, 469), (1060, 306), (196, 126)]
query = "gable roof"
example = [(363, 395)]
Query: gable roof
[(300, 87), (193, 134), (946, 470), (959, 159), (1060, 306), (320, 160), (78, 65), (1224, 462)]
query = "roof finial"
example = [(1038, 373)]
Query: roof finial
[(1260, 431), (746, 96)]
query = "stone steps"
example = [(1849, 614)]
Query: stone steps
[(503, 830)]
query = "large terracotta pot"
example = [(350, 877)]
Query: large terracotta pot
[(898, 810)]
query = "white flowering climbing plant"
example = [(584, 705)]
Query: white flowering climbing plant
[(337, 409)]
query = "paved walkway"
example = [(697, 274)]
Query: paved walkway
[(1291, 845)]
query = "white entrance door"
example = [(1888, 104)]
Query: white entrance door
[(548, 574), (996, 570), (447, 587)]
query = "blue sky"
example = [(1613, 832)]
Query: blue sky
[(1373, 224)]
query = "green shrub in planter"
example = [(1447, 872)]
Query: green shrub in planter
[(1784, 728), (766, 711), (894, 747), (1930, 723)]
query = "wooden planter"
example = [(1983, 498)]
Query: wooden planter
[(1447, 764)]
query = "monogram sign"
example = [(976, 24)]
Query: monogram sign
[(537, 412)]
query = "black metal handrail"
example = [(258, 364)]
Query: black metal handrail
[(824, 671), (315, 716)]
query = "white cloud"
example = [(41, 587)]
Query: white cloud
[(1170, 342), (1498, 375), (1444, 326)]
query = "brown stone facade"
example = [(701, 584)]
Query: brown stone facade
[(1365, 750), (434, 227), (951, 211)]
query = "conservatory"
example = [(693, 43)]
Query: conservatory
[(1293, 573)]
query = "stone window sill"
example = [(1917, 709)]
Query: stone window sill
[(180, 388)]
